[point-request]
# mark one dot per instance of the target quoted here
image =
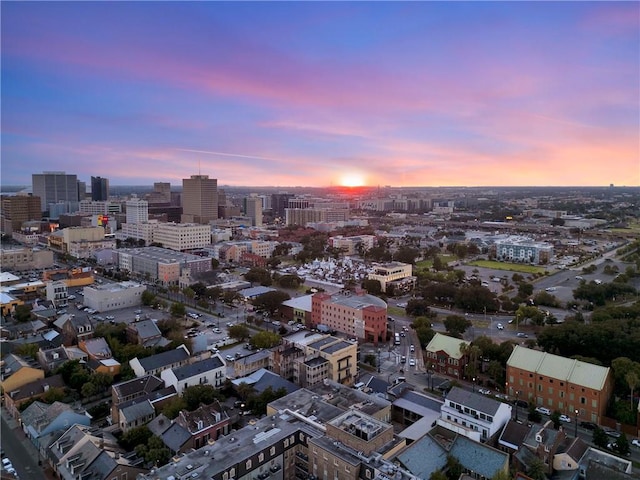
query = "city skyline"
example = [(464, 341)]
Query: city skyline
[(321, 94)]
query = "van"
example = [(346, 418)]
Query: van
[(359, 385), (401, 379)]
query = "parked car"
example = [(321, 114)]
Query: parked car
[(565, 418), (412, 362), (231, 358), (588, 425), (403, 359), (543, 410), (484, 391), (500, 326), (522, 335), (612, 433), (635, 442)]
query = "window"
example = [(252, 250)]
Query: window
[(583, 400), (248, 465), (272, 451)]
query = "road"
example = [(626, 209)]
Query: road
[(19, 450)]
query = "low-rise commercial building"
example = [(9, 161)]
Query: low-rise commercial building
[(161, 264), (394, 275), (113, 296)]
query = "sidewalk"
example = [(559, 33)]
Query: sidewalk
[(12, 423)]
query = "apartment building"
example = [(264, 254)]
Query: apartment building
[(211, 371), (559, 383), (161, 264), (358, 314), (139, 231), (524, 250), (137, 210), (473, 415), (182, 236)]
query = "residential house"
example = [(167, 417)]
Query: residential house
[(542, 444), (145, 332), (43, 423), (211, 371), (513, 436), (175, 437), (83, 453), (139, 389), (135, 414), (155, 364), (429, 454), (52, 358), (100, 356), (206, 423), (473, 415), (251, 363), (559, 383), (13, 399), (569, 454), (75, 329), (17, 371)]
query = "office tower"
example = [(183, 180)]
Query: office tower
[(82, 190), (17, 209), (161, 193), (253, 210), (99, 189), (199, 199), (56, 188), (137, 210), (279, 202)]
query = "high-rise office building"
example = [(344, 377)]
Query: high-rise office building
[(99, 189), (199, 199), (279, 202), (253, 210), (56, 188), (137, 210), (17, 209)]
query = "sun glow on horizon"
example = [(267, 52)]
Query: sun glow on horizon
[(352, 179)]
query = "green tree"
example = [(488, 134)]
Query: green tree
[(456, 325), (55, 394), (555, 418), (372, 287), (632, 380), (600, 438), (196, 395), (172, 408), (533, 415), (453, 468), (525, 289), (536, 469), (88, 390), (148, 298), (271, 301), (438, 475), (22, 313), (27, 350), (245, 390), (178, 309), (135, 436), (265, 339), (622, 444), (239, 332)]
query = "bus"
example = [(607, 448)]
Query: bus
[(397, 339)]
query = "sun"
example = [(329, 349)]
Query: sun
[(352, 179)]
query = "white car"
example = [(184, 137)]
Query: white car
[(635, 442), (484, 391), (565, 418), (412, 362), (500, 326), (543, 410)]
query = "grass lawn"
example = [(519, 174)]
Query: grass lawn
[(634, 227), (512, 267), (429, 263), (396, 311)]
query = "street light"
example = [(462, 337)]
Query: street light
[(378, 360), (473, 385), (517, 395), (576, 427)]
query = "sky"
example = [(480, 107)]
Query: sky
[(322, 93)]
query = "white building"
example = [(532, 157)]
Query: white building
[(396, 273), (350, 244), (113, 296), (57, 293), (95, 207), (523, 249), (137, 210), (473, 415), (183, 236), (205, 372), (140, 231)]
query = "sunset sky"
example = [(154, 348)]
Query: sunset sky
[(319, 94)]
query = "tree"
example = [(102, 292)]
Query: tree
[(55, 394), (555, 418), (438, 475), (178, 309), (622, 444), (290, 281), (453, 468), (525, 289), (27, 350), (239, 332), (632, 380), (600, 438), (372, 287), (406, 254), (536, 469), (456, 325), (148, 298), (533, 415), (22, 313), (196, 395), (271, 301), (245, 390), (265, 339), (258, 275), (88, 390), (135, 436)]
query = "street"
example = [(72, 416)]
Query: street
[(19, 449)]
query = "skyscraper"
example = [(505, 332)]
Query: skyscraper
[(199, 199), (99, 189), (56, 188), (253, 210), (17, 209)]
